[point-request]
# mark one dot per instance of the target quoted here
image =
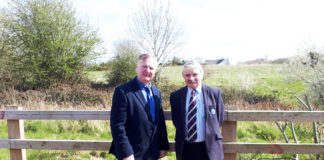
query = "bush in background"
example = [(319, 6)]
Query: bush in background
[(78, 96), (100, 67), (43, 43), (123, 64), (176, 61)]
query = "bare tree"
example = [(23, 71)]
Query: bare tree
[(317, 127), (308, 68), (317, 131), (283, 128), (156, 29)]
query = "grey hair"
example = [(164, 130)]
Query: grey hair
[(145, 56), (193, 65)]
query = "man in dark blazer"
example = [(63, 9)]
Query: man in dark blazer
[(197, 114), (137, 121)]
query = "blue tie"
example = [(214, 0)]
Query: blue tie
[(150, 102)]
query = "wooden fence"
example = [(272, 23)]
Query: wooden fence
[(17, 143)]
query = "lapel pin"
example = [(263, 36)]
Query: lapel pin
[(212, 111)]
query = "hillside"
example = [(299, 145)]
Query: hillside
[(246, 86)]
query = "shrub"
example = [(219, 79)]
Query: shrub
[(123, 64), (58, 95), (76, 94), (43, 42), (265, 132), (232, 95), (308, 68)]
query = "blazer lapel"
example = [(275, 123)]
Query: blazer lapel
[(183, 99), (205, 94), (141, 98), (139, 95), (157, 102)]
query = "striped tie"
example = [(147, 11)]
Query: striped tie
[(192, 118)]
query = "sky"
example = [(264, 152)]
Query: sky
[(239, 30)]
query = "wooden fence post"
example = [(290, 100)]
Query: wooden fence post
[(229, 132), (16, 131)]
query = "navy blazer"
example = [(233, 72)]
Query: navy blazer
[(131, 124), (212, 101)]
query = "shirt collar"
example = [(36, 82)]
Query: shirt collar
[(142, 85), (198, 89)]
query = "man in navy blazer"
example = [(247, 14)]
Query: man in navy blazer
[(198, 136), (137, 127)]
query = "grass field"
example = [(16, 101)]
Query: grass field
[(97, 76), (260, 80), (253, 81)]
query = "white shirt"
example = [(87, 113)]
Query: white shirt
[(201, 125)]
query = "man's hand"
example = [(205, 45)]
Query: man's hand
[(131, 157), (163, 153)]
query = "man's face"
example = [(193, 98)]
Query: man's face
[(145, 70), (192, 77)]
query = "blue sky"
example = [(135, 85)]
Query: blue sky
[(240, 30)]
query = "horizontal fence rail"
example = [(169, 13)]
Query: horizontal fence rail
[(230, 145), (55, 115), (297, 116), (294, 116), (273, 148), (55, 144)]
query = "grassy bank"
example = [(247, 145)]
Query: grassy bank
[(248, 87), (245, 86)]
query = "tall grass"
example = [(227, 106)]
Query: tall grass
[(60, 96)]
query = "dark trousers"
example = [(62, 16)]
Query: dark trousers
[(194, 151)]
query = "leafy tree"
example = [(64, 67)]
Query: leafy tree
[(124, 63), (45, 43), (176, 61)]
